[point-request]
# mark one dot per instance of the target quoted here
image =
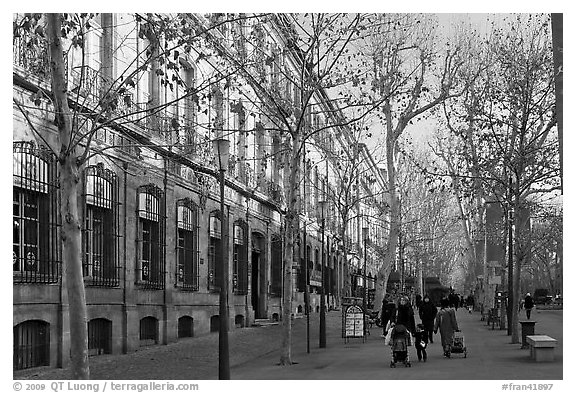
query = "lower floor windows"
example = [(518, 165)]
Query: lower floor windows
[(31, 345)]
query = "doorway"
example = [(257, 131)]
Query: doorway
[(258, 271)]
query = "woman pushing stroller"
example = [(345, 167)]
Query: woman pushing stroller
[(401, 329)]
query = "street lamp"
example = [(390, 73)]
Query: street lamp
[(364, 237), (510, 220), (322, 295), (222, 151)]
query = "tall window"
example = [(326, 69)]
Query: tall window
[(214, 253), (100, 237), (276, 266), (34, 250), (187, 245), (151, 224), (240, 258)]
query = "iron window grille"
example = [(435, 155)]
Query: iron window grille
[(240, 259), (148, 331), (100, 240), (150, 267), (99, 337), (35, 251), (187, 269), (276, 266), (214, 253), (31, 345)]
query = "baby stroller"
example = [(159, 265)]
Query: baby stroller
[(399, 342), (458, 345)]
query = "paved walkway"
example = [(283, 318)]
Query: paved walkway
[(490, 357), (254, 355)]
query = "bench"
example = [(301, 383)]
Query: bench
[(541, 347)]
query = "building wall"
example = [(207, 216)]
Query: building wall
[(128, 303)]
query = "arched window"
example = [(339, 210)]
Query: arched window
[(99, 336), (240, 258), (214, 323), (150, 239), (148, 331), (100, 231), (35, 215), (185, 327), (31, 345), (187, 245), (214, 252), (276, 266)]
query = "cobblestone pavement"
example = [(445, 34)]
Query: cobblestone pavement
[(254, 354)]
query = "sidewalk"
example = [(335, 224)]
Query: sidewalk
[(254, 354), (490, 357)]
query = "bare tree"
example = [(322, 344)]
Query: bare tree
[(97, 100)]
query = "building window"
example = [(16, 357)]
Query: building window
[(187, 245), (151, 226), (100, 237), (276, 262), (148, 331), (240, 259), (31, 345), (99, 337), (185, 327), (35, 249), (214, 253)]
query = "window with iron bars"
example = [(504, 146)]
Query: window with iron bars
[(35, 218), (187, 245), (276, 266), (240, 259), (214, 253), (150, 269), (31, 345), (100, 232)]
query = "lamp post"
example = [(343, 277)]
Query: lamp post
[(511, 297), (322, 293), (222, 150), (364, 237)]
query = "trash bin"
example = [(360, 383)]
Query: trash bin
[(527, 330)]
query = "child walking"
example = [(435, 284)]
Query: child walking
[(421, 339)]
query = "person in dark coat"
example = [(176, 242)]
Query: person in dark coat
[(446, 323), (470, 302), (387, 313), (427, 312), (420, 340), (528, 305), (418, 301), (405, 315)]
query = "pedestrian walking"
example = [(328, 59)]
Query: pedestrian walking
[(405, 315), (427, 312), (418, 301), (470, 303), (387, 312), (447, 324), (528, 305), (421, 342)]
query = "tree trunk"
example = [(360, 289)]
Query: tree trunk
[(70, 232), (516, 277), (289, 234), (392, 243)]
